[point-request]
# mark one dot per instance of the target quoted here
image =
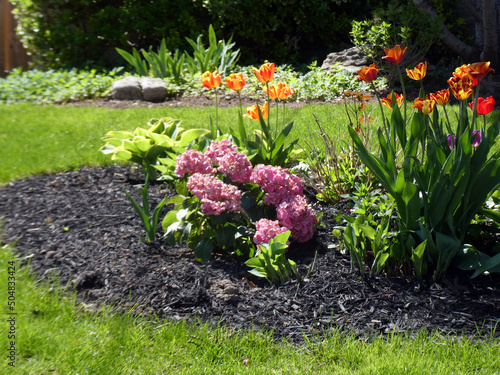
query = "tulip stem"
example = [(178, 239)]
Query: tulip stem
[(239, 99), (402, 88), (268, 107), (216, 109)]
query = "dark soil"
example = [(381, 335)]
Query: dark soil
[(80, 226)]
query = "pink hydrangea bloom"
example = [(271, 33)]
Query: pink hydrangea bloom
[(267, 230), (297, 216), (193, 161), (217, 150), (278, 183), (215, 195), (236, 166)]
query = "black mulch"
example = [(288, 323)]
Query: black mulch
[(80, 226)]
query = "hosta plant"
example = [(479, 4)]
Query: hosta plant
[(163, 140)]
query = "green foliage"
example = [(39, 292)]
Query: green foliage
[(163, 64), (271, 263), (369, 235), (52, 86), (395, 23), (204, 233), (289, 31), (164, 139), (265, 148), (150, 223), (219, 55), (81, 33), (333, 169), (84, 33), (327, 85), (438, 191)]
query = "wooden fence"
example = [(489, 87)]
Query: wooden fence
[(12, 52)]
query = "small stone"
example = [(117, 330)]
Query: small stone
[(128, 88)]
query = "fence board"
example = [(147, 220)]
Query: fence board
[(12, 52)]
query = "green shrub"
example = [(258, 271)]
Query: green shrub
[(81, 33)]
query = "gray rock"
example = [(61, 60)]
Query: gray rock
[(153, 89), (142, 88), (351, 59), (128, 88)]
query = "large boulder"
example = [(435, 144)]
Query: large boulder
[(139, 88), (351, 59)]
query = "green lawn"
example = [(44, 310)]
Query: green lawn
[(54, 334)]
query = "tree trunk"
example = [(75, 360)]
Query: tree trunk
[(490, 48), (462, 49)]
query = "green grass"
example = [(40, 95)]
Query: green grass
[(56, 335), (41, 139)]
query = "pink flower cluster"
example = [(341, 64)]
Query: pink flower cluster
[(297, 216), (266, 230), (217, 150), (231, 162), (236, 166), (278, 183), (193, 161), (215, 195)]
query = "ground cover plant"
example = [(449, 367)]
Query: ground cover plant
[(214, 359)]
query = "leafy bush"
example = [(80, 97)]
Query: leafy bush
[(80, 33), (52, 86)]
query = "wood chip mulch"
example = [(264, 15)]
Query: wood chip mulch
[(80, 226)]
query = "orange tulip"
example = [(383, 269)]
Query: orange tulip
[(479, 70), (424, 105), (274, 91), (266, 73), (211, 80), (418, 73), (253, 112), (461, 88), (286, 92), (441, 97), (387, 101), (368, 73), (394, 55), (236, 81), (280, 91)]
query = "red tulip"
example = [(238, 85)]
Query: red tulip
[(484, 106)]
